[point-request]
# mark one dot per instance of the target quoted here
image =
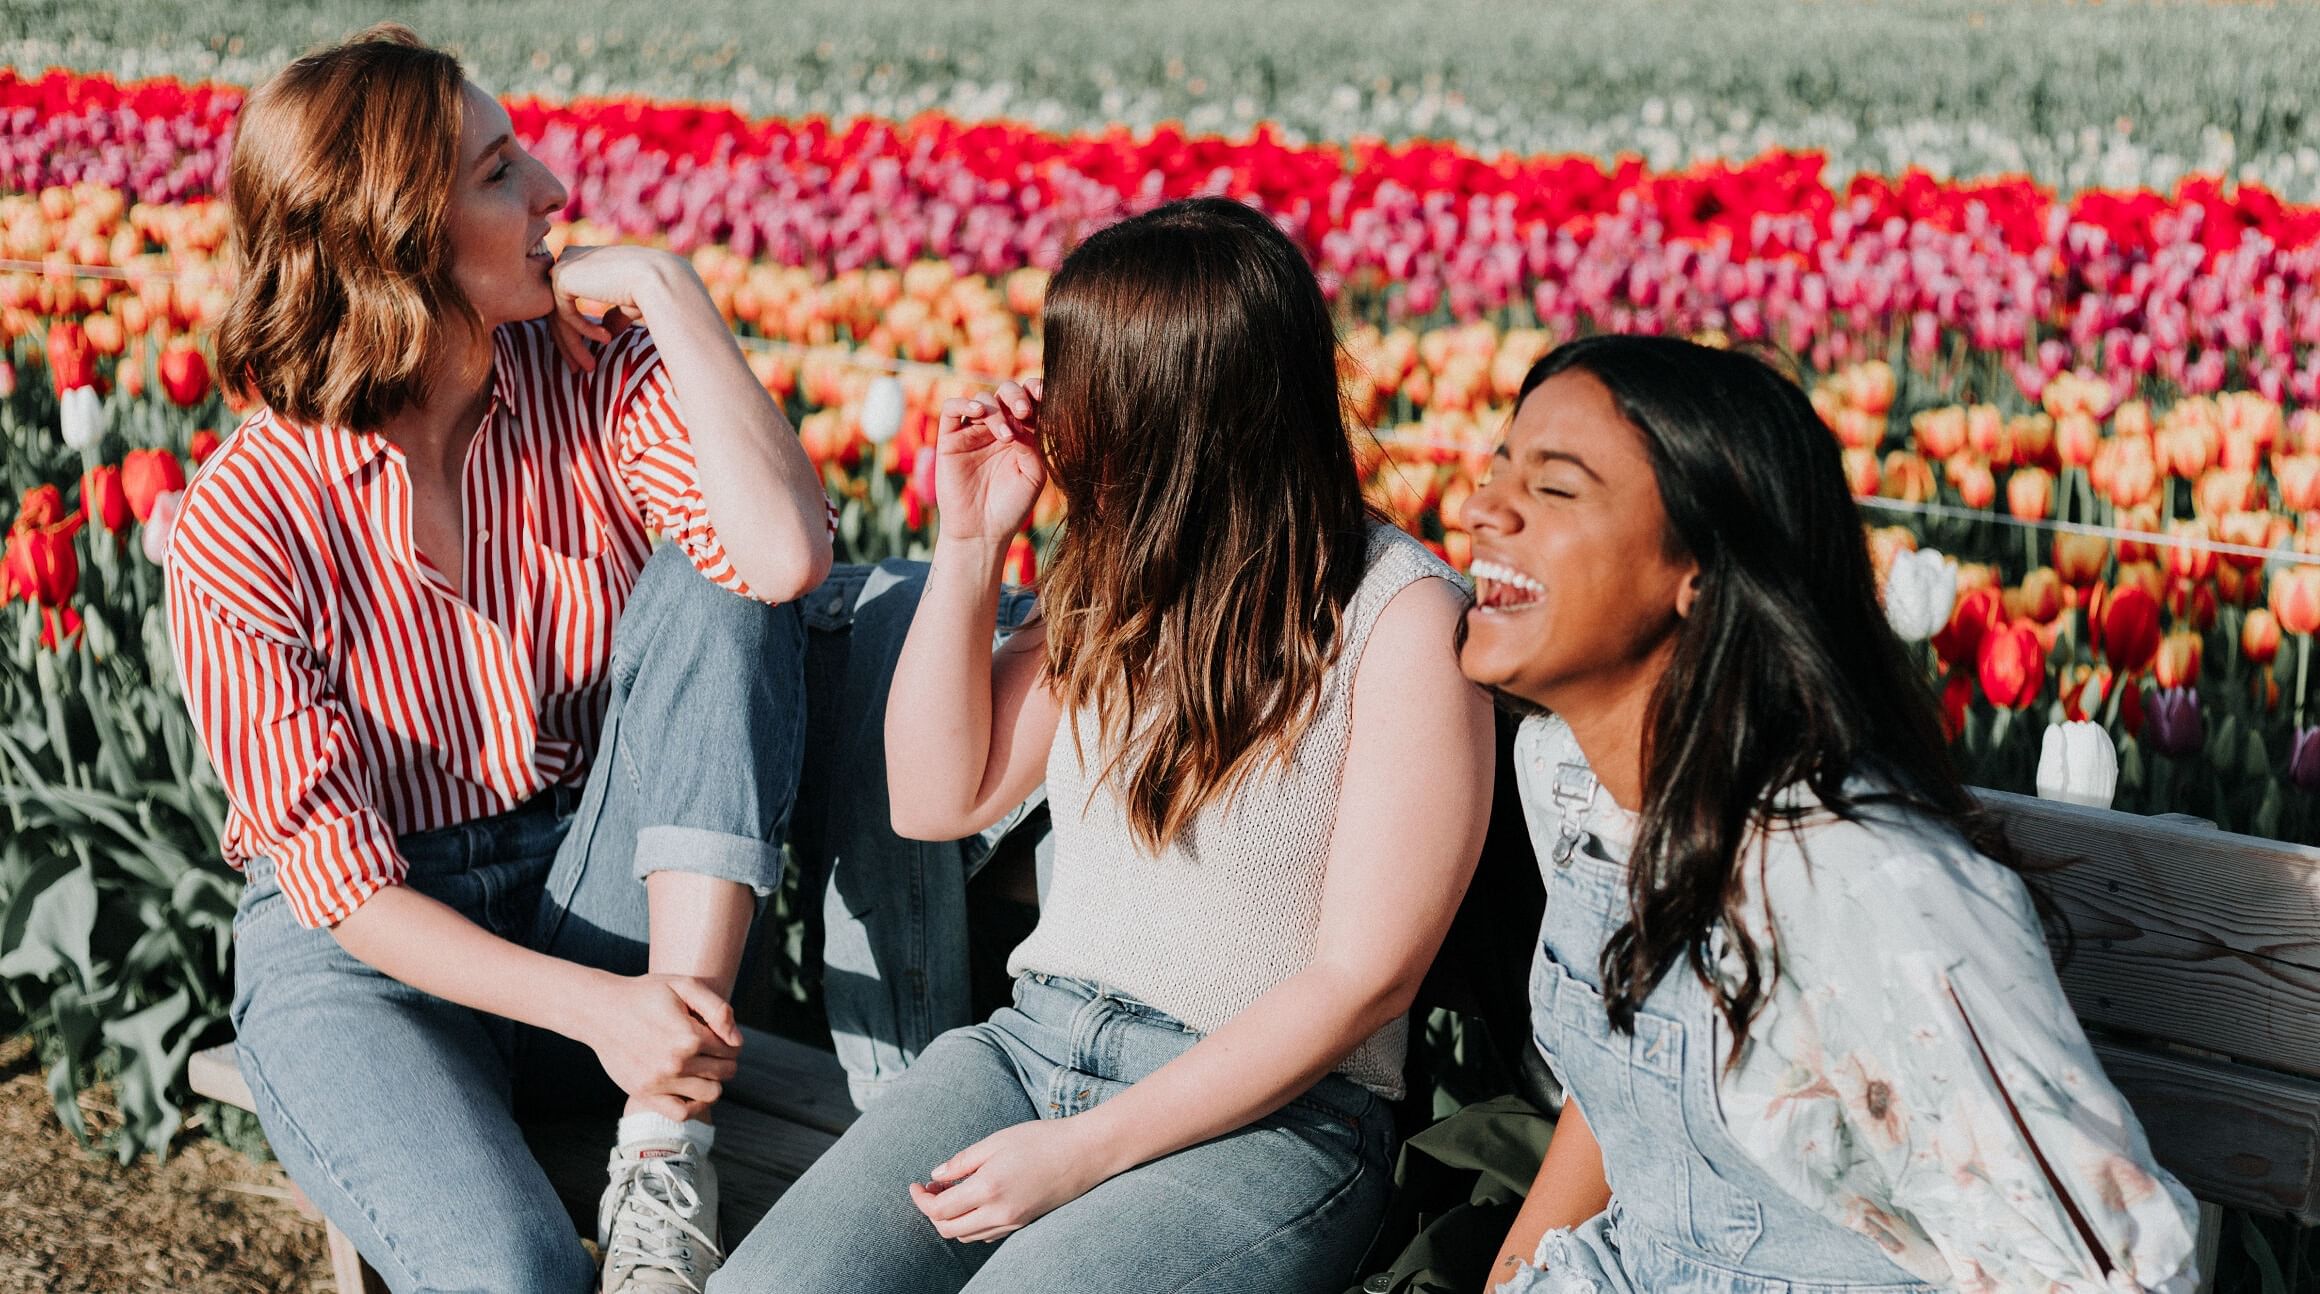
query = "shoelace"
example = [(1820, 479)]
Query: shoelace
[(653, 1228)]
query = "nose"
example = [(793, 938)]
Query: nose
[(1488, 509), (553, 195)]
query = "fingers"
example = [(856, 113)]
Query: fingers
[(1017, 400), (684, 1087), (616, 321), (570, 344), (716, 1069), (708, 1007), (1037, 386), (950, 1203)]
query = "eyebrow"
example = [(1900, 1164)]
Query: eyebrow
[(1538, 457), (488, 149)]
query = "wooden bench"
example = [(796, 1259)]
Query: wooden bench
[(779, 1114), (2196, 969)]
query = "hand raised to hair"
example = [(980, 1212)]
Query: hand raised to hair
[(988, 468)]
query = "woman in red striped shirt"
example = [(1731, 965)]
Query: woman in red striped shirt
[(507, 783)]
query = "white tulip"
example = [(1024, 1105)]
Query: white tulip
[(160, 525), (882, 410), (1919, 592), (82, 414), (2078, 765)]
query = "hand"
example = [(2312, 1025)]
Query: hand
[(988, 468), (668, 1040), (619, 277), (1010, 1179)]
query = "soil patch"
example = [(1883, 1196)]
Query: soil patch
[(206, 1221)]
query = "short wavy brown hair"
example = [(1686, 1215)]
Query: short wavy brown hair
[(340, 187)]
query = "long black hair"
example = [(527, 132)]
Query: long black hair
[(1784, 673)]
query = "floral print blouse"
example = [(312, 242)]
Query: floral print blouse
[(1916, 1074)]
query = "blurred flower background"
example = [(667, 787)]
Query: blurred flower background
[(2050, 271)]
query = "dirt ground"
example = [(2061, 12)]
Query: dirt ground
[(208, 1221)]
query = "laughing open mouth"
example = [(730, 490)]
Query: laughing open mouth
[(1499, 587)]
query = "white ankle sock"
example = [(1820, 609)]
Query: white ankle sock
[(648, 1126)]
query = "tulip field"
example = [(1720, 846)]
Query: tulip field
[(2078, 399)]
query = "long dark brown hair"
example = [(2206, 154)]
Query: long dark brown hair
[(1785, 672), (1215, 528)]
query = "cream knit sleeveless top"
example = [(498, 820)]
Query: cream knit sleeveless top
[(1233, 906)]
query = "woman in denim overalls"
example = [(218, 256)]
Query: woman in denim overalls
[(1801, 1004)]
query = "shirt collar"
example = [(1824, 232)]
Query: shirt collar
[(345, 451)]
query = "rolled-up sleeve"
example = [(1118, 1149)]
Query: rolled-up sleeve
[(282, 746)]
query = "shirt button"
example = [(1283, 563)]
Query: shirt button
[(1378, 1284), (484, 535)]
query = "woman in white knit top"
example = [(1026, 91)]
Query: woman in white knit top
[(1234, 671)]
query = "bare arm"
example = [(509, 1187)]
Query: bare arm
[(1569, 1189), (762, 494), (968, 730), (1397, 869)]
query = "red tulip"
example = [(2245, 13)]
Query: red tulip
[(1975, 615), (2012, 666), (42, 564), (102, 499), (1022, 562), (184, 374), (59, 628), (147, 474), (205, 443), (2129, 635), (72, 359), (42, 506)]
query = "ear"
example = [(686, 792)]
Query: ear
[(1688, 593)]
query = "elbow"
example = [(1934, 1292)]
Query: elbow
[(913, 822), (792, 575), (1371, 1000)]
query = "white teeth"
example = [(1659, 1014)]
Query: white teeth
[(540, 248), (1497, 574)]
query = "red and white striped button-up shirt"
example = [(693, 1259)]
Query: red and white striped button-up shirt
[(345, 692)]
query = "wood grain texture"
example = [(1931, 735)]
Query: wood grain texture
[(2183, 933), (2234, 1135), (802, 1084)]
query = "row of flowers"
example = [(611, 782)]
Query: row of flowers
[(2194, 289)]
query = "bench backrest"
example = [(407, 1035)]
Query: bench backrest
[(2196, 969)]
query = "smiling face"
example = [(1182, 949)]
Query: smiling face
[(502, 200), (1577, 598)]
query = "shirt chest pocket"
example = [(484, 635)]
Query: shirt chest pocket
[(1650, 1115)]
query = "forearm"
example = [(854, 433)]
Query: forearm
[(426, 944), (762, 494), (1569, 1189), (938, 711), (1284, 1043)]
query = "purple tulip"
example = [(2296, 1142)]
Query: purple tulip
[(2304, 759), (2172, 722)]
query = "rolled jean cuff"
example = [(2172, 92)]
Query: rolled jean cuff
[(744, 860)]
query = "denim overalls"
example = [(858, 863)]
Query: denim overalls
[(1690, 1209)]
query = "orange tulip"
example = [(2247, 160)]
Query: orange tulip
[(1977, 486), (41, 506), (2079, 559), (2226, 489), (2187, 560), (2011, 666), (1907, 477), (2076, 437), (1939, 432), (2193, 602), (2299, 479), (1988, 435), (2132, 419), (2259, 637), (2030, 493), (2040, 599), (1861, 471), (2177, 663), (2295, 599)]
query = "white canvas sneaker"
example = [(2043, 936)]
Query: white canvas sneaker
[(657, 1223)]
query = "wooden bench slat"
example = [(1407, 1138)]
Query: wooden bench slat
[(799, 1083), (2184, 933), (2234, 1135)]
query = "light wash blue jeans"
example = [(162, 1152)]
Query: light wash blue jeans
[(893, 912), (397, 1111), (1287, 1204)]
